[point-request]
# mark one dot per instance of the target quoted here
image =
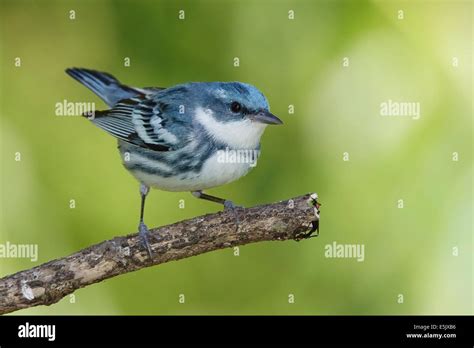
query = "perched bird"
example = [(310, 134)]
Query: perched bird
[(170, 138)]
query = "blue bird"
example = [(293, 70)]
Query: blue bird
[(179, 138)]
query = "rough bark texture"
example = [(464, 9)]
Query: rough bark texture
[(46, 284)]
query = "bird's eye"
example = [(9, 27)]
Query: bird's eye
[(235, 107)]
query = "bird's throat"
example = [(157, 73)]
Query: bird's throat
[(243, 134)]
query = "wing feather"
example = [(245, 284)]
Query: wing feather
[(141, 121)]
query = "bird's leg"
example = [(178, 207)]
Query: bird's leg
[(228, 205), (142, 229)]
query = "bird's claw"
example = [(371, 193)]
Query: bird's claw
[(229, 205), (143, 232)]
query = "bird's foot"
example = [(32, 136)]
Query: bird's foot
[(144, 233), (230, 206)]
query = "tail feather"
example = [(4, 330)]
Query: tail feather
[(107, 87)]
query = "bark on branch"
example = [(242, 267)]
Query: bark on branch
[(296, 219)]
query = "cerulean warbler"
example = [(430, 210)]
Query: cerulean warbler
[(173, 138)]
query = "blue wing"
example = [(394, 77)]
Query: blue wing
[(145, 121)]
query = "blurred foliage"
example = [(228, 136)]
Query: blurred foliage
[(408, 251)]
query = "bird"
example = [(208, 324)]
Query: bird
[(174, 138)]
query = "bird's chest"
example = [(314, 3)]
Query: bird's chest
[(220, 168), (226, 166)]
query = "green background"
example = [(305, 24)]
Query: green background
[(408, 251)]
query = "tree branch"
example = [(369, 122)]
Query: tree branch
[(46, 284)]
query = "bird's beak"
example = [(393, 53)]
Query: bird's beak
[(266, 117)]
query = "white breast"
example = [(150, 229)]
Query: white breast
[(214, 173)]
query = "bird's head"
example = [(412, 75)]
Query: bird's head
[(237, 101), (233, 112)]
